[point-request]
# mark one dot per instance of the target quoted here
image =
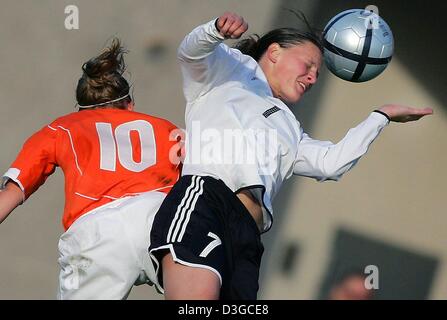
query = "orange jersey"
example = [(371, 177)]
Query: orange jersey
[(105, 154)]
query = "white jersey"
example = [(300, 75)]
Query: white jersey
[(228, 97)]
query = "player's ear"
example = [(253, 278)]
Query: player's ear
[(273, 52), (130, 106)]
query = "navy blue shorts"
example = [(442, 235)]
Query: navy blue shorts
[(203, 224)]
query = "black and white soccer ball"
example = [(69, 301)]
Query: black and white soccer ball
[(358, 45)]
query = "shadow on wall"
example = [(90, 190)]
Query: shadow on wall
[(390, 271)]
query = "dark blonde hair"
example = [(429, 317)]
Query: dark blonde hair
[(102, 79)]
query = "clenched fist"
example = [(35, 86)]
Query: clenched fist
[(231, 25)]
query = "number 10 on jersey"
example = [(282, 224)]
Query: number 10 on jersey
[(117, 145)]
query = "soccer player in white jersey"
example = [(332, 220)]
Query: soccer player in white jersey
[(205, 242)]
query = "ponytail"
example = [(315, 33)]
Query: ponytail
[(102, 80)]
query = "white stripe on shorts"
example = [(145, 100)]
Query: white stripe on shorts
[(179, 214), (184, 209), (187, 209), (176, 217), (190, 210)]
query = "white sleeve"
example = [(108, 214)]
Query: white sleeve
[(324, 160), (205, 61)]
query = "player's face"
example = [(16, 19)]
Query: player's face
[(296, 70)]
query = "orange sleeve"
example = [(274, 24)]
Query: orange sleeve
[(35, 162)]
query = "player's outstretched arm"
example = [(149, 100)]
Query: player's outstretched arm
[(327, 161), (398, 113), (10, 197)]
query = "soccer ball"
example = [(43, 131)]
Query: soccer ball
[(358, 45)]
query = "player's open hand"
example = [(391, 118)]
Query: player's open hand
[(398, 113), (231, 25)]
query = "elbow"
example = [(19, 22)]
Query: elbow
[(184, 53), (181, 54), (188, 51), (333, 173), (330, 177), (336, 172)]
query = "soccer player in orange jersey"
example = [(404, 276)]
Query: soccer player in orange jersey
[(117, 171)]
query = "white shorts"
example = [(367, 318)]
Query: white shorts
[(105, 252)]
